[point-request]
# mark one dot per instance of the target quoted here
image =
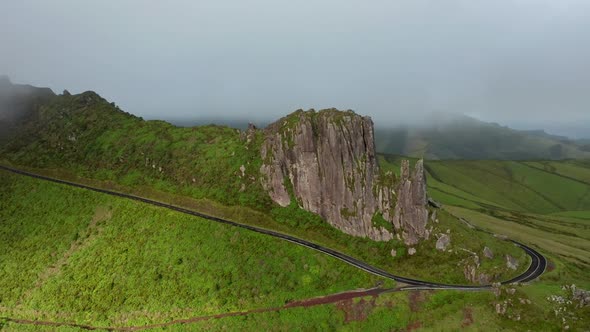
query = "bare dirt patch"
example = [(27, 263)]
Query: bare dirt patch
[(413, 326), (416, 298), (356, 310), (332, 298), (467, 317)]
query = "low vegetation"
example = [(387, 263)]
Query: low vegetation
[(75, 255)]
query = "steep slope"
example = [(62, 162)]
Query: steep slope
[(326, 162), (447, 136), (88, 135)]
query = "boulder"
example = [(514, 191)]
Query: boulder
[(581, 297), (511, 262), (411, 251), (443, 242)]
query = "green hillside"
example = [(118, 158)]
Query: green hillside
[(74, 256), (110, 260), (518, 186), (91, 137), (449, 136)]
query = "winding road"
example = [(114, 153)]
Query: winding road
[(537, 267)]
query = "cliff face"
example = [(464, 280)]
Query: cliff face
[(326, 161)]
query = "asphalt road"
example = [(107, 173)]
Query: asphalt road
[(537, 267)]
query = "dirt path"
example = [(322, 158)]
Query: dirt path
[(314, 301), (100, 214)]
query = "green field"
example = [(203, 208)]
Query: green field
[(72, 255)]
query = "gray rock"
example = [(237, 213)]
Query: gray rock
[(496, 289), (411, 215), (511, 262), (328, 159), (471, 273), (443, 242), (582, 297), (487, 253), (411, 251), (434, 203), (393, 253), (501, 308)]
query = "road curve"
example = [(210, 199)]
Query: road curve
[(537, 267)]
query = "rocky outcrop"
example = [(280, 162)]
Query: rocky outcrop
[(471, 272), (326, 163), (411, 214)]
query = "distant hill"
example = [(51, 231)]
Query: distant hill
[(463, 137), (17, 101)]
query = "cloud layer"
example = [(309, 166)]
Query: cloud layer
[(520, 62)]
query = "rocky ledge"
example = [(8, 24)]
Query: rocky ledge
[(326, 163)]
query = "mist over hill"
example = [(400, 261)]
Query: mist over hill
[(17, 101), (449, 136)]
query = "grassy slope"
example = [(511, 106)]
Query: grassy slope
[(91, 137), (517, 186), (91, 258), (76, 255)]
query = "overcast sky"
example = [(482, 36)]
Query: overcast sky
[(524, 63)]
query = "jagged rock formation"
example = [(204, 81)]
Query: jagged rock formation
[(326, 162), (411, 214)]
